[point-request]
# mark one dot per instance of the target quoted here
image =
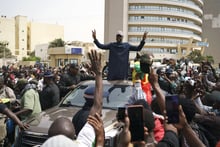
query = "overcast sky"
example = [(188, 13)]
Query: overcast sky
[(79, 17)]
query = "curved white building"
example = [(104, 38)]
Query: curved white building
[(174, 26)]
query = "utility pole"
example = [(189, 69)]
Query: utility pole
[(4, 55), (5, 45)]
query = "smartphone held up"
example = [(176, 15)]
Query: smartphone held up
[(172, 108), (121, 113), (135, 114)]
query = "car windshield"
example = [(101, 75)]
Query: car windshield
[(114, 96)]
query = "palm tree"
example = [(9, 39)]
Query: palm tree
[(209, 59), (56, 43), (196, 56)]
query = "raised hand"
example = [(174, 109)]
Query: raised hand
[(144, 35), (94, 34), (97, 123), (95, 59)]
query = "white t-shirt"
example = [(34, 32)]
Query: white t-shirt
[(86, 136)]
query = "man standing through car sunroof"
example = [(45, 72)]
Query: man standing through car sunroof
[(118, 55)]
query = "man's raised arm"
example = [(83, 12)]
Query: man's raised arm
[(96, 67)]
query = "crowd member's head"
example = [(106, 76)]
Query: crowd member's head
[(74, 68), (165, 61), (119, 36), (189, 108), (48, 77), (187, 89), (172, 62), (168, 72), (62, 126), (89, 96), (155, 107), (21, 84)]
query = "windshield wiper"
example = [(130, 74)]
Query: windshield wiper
[(69, 104), (112, 108)]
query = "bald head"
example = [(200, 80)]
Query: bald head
[(62, 126)]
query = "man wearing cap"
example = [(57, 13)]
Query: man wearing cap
[(80, 118), (118, 55), (50, 95), (30, 102), (69, 80)]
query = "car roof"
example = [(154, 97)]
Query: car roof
[(106, 82)]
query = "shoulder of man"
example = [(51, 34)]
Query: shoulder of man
[(60, 141)]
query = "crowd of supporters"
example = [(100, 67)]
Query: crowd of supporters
[(198, 88)]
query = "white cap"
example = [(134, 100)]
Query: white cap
[(120, 33)]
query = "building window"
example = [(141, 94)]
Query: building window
[(75, 61)]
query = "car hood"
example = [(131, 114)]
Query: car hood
[(42, 122)]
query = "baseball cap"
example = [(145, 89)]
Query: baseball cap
[(48, 74), (89, 93), (120, 33), (21, 83)]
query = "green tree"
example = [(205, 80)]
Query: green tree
[(56, 43), (209, 59), (31, 58), (196, 56), (4, 51)]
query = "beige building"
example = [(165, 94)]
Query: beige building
[(7, 32), (76, 52), (174, 26), (41, 33), (23, 36), (211, 28), (20, 37)]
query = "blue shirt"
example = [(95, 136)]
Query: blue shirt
[(118, 58)]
